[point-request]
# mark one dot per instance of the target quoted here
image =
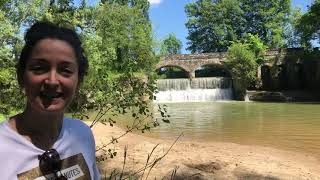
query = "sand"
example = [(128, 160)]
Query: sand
[(200, 160)]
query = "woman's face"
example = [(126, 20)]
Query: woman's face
[(50, 79)]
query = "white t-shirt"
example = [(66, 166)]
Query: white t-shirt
[(75, 145)]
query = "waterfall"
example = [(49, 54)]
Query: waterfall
[(173, 84), (195, 90)]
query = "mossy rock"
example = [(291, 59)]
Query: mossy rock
[(267, 96)]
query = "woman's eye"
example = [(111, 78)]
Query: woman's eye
[(67, 71), (37, 69)]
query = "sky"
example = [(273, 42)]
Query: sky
[(168, 16)]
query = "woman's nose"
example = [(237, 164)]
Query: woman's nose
[(52, 78)]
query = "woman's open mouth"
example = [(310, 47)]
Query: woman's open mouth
[(50, 95)]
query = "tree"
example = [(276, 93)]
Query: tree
[(241, 62), (171, 45), (125, 35), (8, 85), (255, 45), (267, 19), (242, 65), (211, 24), (309, 25), (214, 24), (142, 5)]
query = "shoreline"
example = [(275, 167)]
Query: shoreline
[(307, 152), (204, 160)]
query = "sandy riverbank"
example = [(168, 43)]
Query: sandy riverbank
[(212, 160)]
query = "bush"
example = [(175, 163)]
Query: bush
[(241, 62)]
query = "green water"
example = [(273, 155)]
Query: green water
[(294, 127)]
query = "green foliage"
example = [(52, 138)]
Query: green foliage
[(10, 96), (171, 45), (256, 45), (309, 24), (126, 36), (2, 117), (211, 24), (267, 18), (241, 62), (214, 25)]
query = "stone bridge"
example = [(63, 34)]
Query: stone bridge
[(191, 62)]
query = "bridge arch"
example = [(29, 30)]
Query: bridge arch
[(173, 65), (180, 65), (190, 62), (172, 71), (212, 70)]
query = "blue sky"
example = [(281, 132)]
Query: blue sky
[(168, 16)]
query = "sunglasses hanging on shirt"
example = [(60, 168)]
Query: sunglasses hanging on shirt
[(50, 164)]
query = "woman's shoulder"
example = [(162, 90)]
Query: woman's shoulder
[(3, 122), (76, 124), (4, 126), (77, 129)]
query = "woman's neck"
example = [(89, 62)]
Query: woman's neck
[(42, 129)]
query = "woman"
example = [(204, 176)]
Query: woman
[(40, 142)]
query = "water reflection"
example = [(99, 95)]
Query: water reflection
[(287, 126)]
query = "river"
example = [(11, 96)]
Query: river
[(288, 126)]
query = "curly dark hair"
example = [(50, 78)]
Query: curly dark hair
[(44, 30)]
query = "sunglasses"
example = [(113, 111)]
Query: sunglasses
[(50, 163)]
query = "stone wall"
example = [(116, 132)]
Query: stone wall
[(292, 69)]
